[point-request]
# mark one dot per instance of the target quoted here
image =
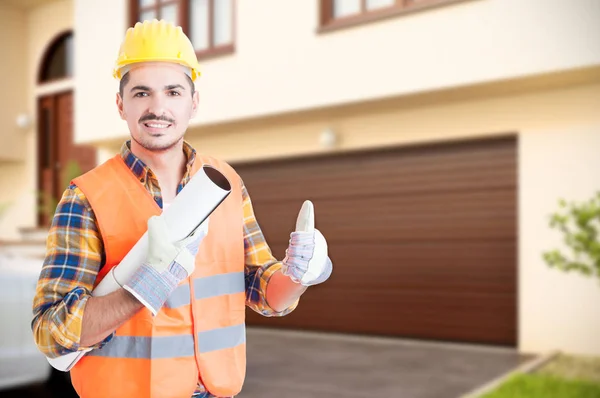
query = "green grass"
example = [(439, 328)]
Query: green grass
[(544, 386)]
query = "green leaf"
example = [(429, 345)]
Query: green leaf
[(579, 227)]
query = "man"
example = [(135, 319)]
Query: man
[(176, 328)]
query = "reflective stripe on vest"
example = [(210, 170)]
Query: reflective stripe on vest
[(210, 286), (139, 347)]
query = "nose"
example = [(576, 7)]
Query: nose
[(157, 105)]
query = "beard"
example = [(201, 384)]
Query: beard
[(157, 144)]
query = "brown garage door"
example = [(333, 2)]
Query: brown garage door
[(423, 239)]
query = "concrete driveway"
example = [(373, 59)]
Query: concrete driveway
[(284, 364)]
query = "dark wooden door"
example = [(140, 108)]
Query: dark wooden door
[(58, 156), (423, 239)]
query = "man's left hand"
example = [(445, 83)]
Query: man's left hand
[(306, 261)]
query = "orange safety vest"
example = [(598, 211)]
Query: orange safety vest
[(199, 334)]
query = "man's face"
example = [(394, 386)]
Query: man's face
[(157, 103)]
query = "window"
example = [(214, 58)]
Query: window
[(57, 62), (345, 8), (342, 13), (208, 23)]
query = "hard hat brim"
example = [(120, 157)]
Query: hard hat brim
[(195, 73)]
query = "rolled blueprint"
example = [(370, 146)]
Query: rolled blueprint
[(205, 191)]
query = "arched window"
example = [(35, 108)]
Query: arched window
[(58, 59)]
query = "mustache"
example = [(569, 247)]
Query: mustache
[(153, 117)]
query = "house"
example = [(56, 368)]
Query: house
[(434, 137)]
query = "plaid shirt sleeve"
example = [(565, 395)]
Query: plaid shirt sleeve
[(260, 264), (73, 258)]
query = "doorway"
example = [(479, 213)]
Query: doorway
[(59, 159)]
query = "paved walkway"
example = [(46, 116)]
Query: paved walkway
[(284, 364)]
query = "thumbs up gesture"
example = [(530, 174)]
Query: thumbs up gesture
[(306, 261)]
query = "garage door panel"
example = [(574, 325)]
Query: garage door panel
[(423, 239), (381, 183), (440, 268), (380, 173), (451, 306), (458, 317), (426, 160), (456, 215), (479, 266)]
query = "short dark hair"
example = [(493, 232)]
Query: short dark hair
[(125, 80)]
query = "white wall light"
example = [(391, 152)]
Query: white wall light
[(328, 138), (23, 121)]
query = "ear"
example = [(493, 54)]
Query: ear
[(120, 106), (195, 101)]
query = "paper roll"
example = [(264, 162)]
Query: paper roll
[(205, 191)]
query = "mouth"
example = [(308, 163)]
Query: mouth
[(156, 127)]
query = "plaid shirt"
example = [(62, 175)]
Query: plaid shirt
[(75, 254)]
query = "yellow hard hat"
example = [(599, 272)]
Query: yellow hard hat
[(156, 41)]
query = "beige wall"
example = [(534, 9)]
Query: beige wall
[(41, 25), (281, 64), (96, 48), (13, 70), (401, 121), (557, 310)]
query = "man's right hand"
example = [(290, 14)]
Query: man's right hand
[(166, 265)]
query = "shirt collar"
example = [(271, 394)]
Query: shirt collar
[(139, 168)]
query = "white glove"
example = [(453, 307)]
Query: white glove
[(166, 265), (306, 260)]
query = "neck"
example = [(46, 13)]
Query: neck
[(167, 165)]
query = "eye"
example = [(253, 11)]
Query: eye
[(174, 93), (141, 94)]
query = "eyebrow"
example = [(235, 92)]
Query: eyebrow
[(166, 88), (174, 86), (141, 88)]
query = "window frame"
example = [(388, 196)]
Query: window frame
[(327, 22), (183, 16)]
